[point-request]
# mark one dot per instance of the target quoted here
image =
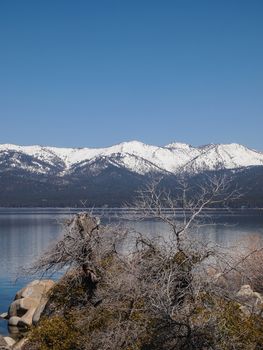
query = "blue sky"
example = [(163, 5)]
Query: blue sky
[(94, 73)]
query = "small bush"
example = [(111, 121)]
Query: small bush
[(56, 333)]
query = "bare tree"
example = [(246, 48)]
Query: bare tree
[(183, 209)]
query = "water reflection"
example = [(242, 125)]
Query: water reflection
[(23, 237), (226, 234)]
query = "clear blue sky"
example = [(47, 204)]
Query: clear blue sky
[(94, 73)]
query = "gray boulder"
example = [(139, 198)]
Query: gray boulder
[(20, 344), (4, 316), (39, 310), (3, 344), (29, 301), (250, 301), (10, 341)]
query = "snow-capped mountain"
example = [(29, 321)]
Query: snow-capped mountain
[(50, 176), (133, 156)]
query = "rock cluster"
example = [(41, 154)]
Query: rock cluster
[(250, 301), (25, 310), (3, 344), (8, 343), (28, 304)]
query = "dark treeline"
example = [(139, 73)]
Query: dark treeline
[(113, 187)]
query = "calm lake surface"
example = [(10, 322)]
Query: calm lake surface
[(26, 233)]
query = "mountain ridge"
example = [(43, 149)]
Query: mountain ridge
[(134, 156), (59, 177)]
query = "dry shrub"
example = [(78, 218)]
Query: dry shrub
[(159, 296), (251, 266)]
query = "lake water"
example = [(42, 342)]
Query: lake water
[(26, 233)]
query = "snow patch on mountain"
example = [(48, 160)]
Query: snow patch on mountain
[(134, 156)]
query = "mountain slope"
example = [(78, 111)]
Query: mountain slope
[(133, 156), (49, 176)]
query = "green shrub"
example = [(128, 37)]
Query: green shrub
[(56, 333)]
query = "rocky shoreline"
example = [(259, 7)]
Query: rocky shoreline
[(25, 311), (30, 302)]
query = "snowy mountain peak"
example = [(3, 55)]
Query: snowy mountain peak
[(134, 156), (178, 145)]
